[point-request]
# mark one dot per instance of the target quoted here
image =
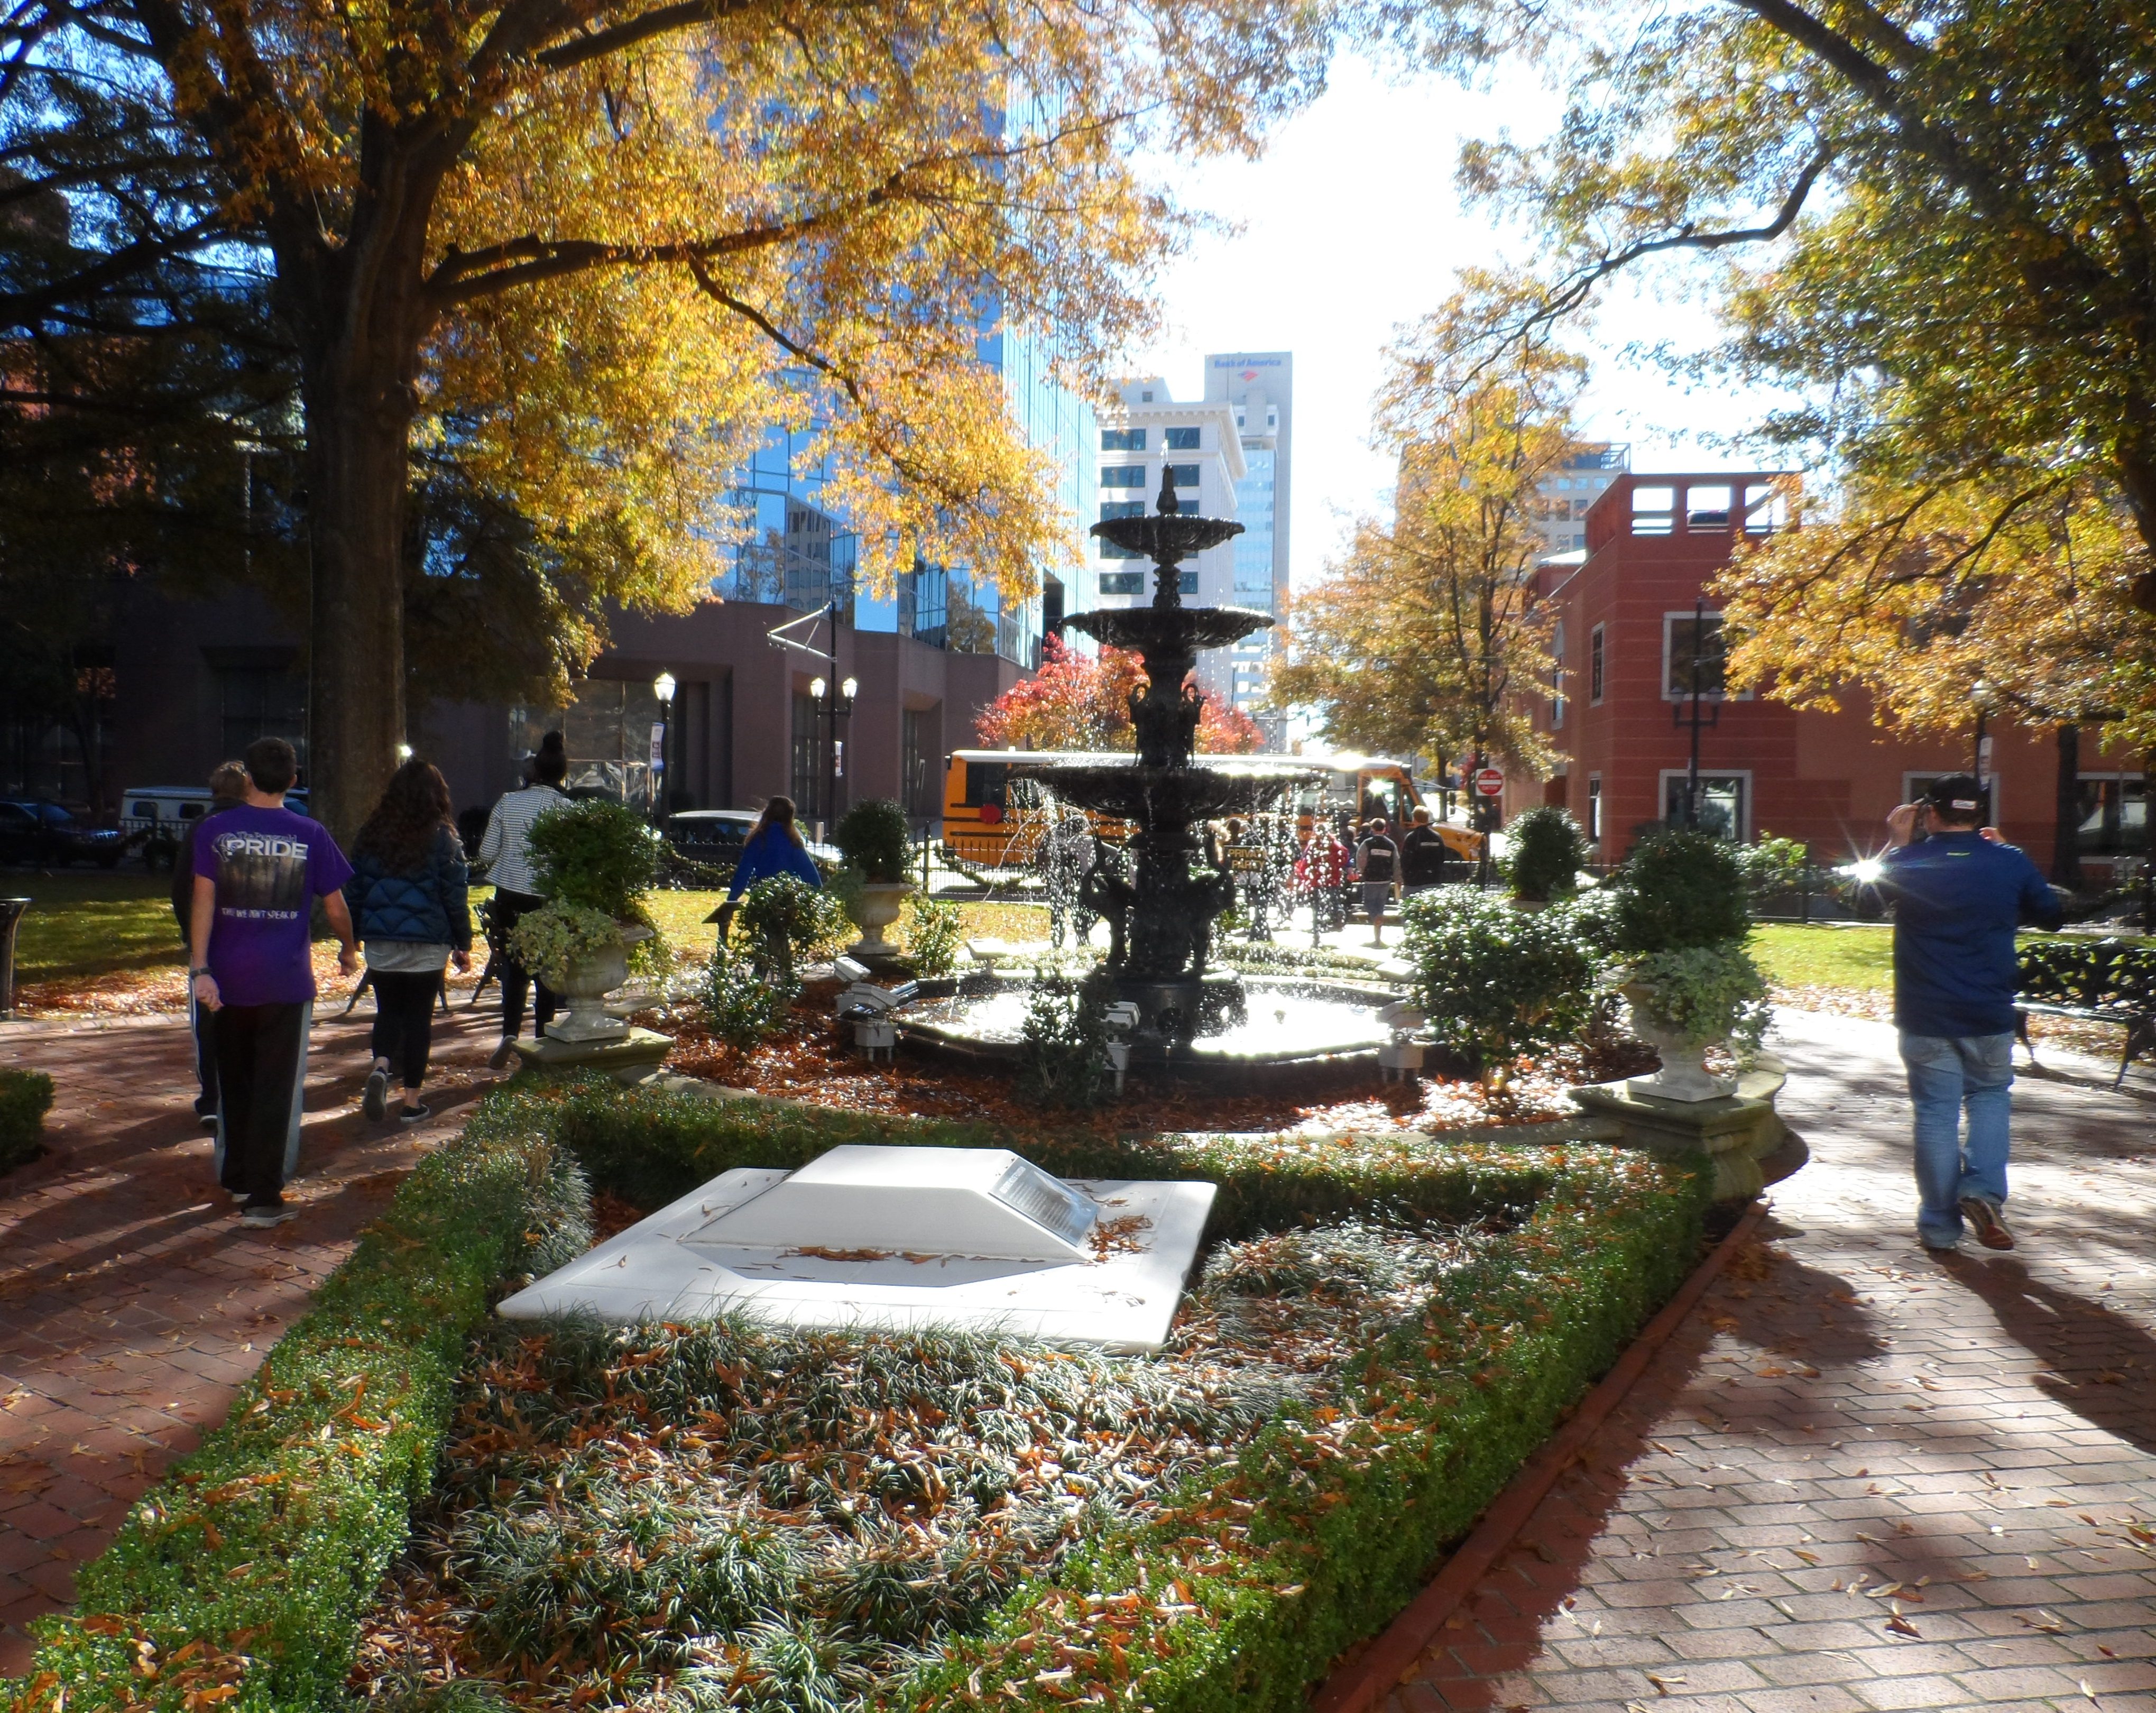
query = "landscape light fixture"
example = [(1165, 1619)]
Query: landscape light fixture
[(662, 687), (816, 688), (403, 751), (848, 688)]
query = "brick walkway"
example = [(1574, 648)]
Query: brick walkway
[(1858, 1478), (1855, 1478), (132, 1303)]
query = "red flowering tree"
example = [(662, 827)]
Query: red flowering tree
[(1081, 701), (1225, 730), (1077, 701)]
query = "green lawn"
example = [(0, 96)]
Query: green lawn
[(1792, 955), (84, 923)]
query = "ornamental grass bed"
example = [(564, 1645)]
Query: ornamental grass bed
[(716, 1515), (414, 1505)]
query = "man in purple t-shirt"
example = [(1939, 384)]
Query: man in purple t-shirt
[(259, 868)]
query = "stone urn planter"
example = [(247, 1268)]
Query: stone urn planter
[(874, 905), (1683, 1075), (586, 983)]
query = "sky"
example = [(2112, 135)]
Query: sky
[(1349, 228)]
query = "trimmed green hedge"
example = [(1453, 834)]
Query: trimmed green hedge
[(1237, 1596), (25, 1097), (242, 1579)]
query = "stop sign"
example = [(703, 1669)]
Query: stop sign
[(1490, 782)]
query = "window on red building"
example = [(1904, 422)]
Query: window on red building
[(1683, 638), (1724, 808), (1557, 677), (1594, 667)]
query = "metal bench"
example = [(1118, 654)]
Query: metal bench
[(2092, 981)]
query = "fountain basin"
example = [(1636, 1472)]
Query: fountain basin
[(1173, 631), (1243, 1023), (1131, 790)]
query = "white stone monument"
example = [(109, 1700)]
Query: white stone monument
[(893, 1239)]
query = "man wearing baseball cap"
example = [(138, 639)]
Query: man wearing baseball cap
[(1958, 892)]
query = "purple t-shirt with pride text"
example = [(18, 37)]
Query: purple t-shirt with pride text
[(269, 866)]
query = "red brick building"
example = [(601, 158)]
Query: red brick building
[(1624, 649)]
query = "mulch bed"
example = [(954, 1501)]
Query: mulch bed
[(812, 1061)]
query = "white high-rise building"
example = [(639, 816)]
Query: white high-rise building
[(1567, 494), (1259, 386), (1145, 431)]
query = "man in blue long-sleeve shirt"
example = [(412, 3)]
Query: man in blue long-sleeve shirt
[(1958, 894)]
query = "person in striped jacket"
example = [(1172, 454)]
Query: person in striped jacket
[(505, 854)]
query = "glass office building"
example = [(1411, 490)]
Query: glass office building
[(1260, 385), (797, 553)]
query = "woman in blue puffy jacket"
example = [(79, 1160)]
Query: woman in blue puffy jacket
[(773, 847), (409, 899)]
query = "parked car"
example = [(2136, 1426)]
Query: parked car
[(162, 817), (35, 831), (713, 838)]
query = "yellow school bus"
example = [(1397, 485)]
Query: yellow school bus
[(985, 825)]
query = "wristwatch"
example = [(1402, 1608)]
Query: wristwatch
[(203, 970)]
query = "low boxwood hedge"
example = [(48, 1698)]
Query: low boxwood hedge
[(239, 1580), (25, 1097), (243, 1578)]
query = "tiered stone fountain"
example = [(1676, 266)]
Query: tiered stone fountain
[(1161, 905), (1163, 890)]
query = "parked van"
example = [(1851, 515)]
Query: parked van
[(162, 817), (985, 825)]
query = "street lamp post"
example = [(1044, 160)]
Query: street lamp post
[(662, 687), (831, 708), (1692, 767)]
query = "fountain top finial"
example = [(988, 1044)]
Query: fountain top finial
[(1165, 502)]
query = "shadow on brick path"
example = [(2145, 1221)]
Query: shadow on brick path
[(132, 1304), (1858, 1478), (2099, 1363)]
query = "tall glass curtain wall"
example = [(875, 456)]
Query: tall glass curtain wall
[(797, 554)]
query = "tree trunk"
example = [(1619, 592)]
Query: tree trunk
[(358, 426), (2067, 827)]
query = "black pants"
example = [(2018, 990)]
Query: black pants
[(508, 906), (261, 1075), (404, 1020)]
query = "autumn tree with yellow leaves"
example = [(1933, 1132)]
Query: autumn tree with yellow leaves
[(1428, 637), (1930, 223), (592, 249)]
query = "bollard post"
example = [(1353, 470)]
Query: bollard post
[(10, 917)]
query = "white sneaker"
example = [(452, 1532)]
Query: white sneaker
[(374, 1102), (262, 1218)]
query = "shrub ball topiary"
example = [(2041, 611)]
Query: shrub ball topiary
[(1678, 888), (1495, 982), (597, 856), (931, 943), (1547, 851), (25, 1097), (786, 919), (875, 839)]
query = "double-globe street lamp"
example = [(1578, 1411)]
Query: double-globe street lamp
[(833, 709)]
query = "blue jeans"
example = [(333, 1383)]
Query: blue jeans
[(1946, 1074)]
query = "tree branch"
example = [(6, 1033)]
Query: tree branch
[(660, 20), (1576, 292)]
